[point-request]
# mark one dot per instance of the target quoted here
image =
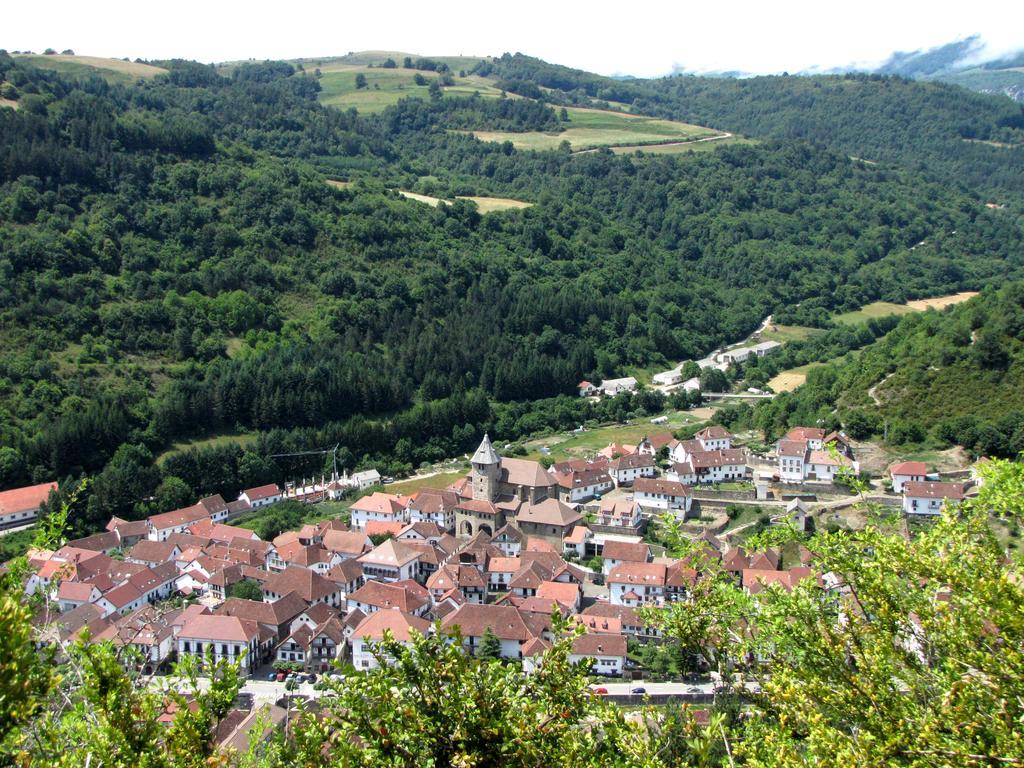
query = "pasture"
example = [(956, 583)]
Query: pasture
[(490, 204), (887, 308), (483, 204), (787, 381), (563, 445), (594, 128), (386, 87), (112, 70)]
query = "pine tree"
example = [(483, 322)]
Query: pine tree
[(490, 646)]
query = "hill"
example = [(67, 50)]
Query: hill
[(933, 127), (112, 70), (954, 377)]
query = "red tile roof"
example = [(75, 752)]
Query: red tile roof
[(27, 499)]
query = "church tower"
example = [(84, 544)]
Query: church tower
[(486, 471)]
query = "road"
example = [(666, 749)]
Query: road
[(267, 692)]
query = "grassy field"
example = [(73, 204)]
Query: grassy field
[(208, 442), (483, 204), (489, 204), (677, 148), (873, 310), (563, 445), (440, 480), (785, 333), (592, 128), (339, 184), (787, 381), (385, 87), (886, 308), (113, 70)]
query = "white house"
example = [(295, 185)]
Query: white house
[(625, 470), (263, 496), (365, 479), (20, 506), (636, 584), (667, 378), (928, 497), (607, 650), (371, 630), (714, 438), (178, 521), (612, 387), (505, 621), (392, 560), (615, 552), (225, 637), (662, 494), (792, 455), (576, 485), (822, 465), (586, 389), (907, 472), (385, 507), (710, 467)]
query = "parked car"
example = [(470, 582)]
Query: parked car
[(599, 690), (694, 689), (272, 676), (638, 690), (281, 677), (311, 677)]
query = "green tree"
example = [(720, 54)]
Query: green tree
[(246, 589), (490, 645), (172, 493), (360, 80)]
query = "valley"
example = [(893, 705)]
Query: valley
[(394, 410)]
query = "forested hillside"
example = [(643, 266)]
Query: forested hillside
[(934, 128), (175, 265), (949, 378)]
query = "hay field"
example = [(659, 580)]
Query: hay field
[(489, 204), (886, 308), (114, 70), (941, 302), (787, 381), (593, 128), (386, 87)]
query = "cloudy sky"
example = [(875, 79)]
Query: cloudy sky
[(639, 38)]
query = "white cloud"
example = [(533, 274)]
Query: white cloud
[(642, 38)]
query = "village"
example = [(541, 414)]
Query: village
[(497, 554)]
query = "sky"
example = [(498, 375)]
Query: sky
[(638, 38)]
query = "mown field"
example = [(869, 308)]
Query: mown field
[(886, 308), (483, 204), (563, 445), (385, 87), (593, 128), (113, 70)]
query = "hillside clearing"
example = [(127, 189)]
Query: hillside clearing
[(8, 103), (887, 308), (434, 201), (386, 87), (563, 445), (111, 69), (489, 204), (339, 184), (483, 204), (787, 381), (594, 128), (241, 438), (941, 302)]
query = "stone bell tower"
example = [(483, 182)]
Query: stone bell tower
[(486, 471)]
